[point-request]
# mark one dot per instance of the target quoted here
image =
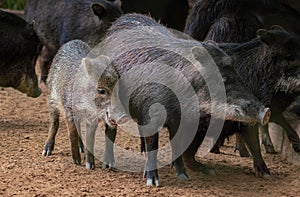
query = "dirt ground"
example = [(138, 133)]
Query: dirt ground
[(25, 172)]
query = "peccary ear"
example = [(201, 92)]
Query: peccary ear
[(94, 67), (211, 42), (264, 36), (28, 31), (197, 53), (99, 10), (277, 27)]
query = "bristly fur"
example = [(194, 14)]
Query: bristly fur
[(225, 20), (266, 68), (135, 41), (19, 50)]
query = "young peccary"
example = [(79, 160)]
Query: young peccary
[(68, 20), (156, 68), (78, 88)]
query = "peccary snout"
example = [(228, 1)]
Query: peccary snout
[(264, 116), (29, 87)]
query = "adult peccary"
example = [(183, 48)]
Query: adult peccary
[(265, 64), (139, 48), (77, 87), (59, 21), (237, 21), (20, 48)]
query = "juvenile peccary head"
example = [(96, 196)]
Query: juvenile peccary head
[(105, 79), (241, 104)]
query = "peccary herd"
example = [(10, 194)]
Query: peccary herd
[(234, 64)]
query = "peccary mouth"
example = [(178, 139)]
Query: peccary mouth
[(121, 119), (110, 120), (29, 89)]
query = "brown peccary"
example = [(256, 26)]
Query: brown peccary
[(59, 21), (138, 47), (19, 50), (74, 80)]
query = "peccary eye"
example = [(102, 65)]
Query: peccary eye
[(102, 91)]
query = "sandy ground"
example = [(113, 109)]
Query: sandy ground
[(25, 172)]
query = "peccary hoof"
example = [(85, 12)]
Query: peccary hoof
[(183, 177), (49, 147), (108, 161), (89, 166), (262, 171), (107, 165), (152, 178), (77, 160)]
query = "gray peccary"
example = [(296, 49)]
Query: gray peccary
[(59, 21), (137, 43), (68, 82), (19, 50)]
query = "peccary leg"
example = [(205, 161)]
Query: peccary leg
[(241, 146), (250, 135), (90, 141), (189, 154), (74, 138), (47, 54), (266, 140), (291, 133), (81, 145), (110, 136), (218, 144), (176, 152), (54, 124), (143, 146), (150, 172)]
